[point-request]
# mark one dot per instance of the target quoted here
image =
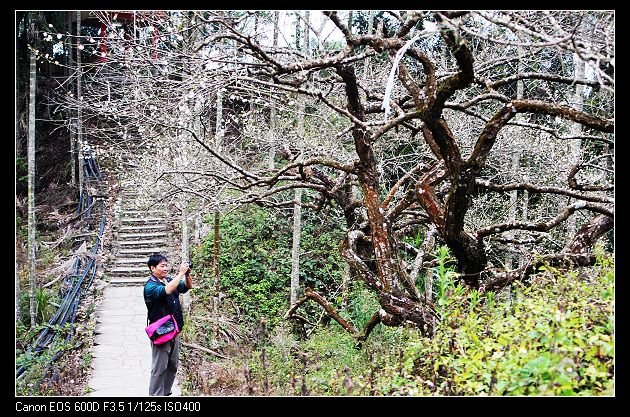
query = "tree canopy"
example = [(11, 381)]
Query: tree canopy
[(491, 132)]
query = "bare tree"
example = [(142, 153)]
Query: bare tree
[(422, 142), (440, 188)]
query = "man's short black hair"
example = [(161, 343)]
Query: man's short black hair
[(155, 259)]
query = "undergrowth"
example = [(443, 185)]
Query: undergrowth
[(551, 336)]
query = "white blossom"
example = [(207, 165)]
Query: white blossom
[(430, 26)]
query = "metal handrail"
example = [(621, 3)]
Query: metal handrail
[(67, 311)]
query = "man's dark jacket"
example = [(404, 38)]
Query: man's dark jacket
[(159, 303)]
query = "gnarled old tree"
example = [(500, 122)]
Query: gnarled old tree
[(421, 144), (427, 108)]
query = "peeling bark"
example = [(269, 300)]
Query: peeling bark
[(586, 237)]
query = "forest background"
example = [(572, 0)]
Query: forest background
[(375, 202)]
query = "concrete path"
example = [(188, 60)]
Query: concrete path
[(122, 353)]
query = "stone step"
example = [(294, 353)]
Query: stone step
[(140, 213), (123, 270), (134, 276), (133, 261), (147, 227), (140, 220), (138, 272), (136, 281), (142, 271), (127, 236), (118, 269), (142, 243), (141, 251), (143, 206)]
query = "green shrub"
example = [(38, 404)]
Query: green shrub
[(255, 262), (554, 338)]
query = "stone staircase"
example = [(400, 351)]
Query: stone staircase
[(137, 234), (121, 364)]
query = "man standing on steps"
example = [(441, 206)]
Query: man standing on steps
[(161, 295)]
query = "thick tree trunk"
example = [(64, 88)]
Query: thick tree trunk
[(588, 234), (384, 271), (471, 257)]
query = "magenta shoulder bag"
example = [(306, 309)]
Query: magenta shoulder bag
[(163, 330)]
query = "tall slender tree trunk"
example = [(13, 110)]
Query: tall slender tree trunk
[(516, 157), (197, 229), (350, 16), (427, 246), (218, 133), (18, 310), (271, 136), (298, 30), (73, 142), (509, 257), (295, 248), (524, 215), (345, 285), (32, 243), (218, 140), (215, 259), (367, 69), (18, 146), (216, 289), (575, 145), (297, 207), (185, 231), (185, 246), (79, 109), (184, 153), (197, 127)]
